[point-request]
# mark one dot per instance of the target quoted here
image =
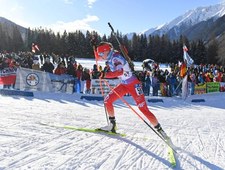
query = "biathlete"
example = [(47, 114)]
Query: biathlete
[(120, 68)]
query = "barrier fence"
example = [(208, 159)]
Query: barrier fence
[(33, 80)]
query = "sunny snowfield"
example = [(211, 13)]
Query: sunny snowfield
[(197, 131)]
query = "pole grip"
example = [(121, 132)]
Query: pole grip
[(111, 27)]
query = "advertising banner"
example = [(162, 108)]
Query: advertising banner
[(222, 86), (212, 87), (200, 88), (97, 85), (35, 80), (7, 76)]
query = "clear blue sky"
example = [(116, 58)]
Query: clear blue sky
[(125, 15)]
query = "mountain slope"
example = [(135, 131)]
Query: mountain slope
[(206, 30), (184, 22), (8, 28)]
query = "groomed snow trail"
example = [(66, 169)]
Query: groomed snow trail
[(197, 129)]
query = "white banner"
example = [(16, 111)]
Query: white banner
[(34, 80), (98, 86)]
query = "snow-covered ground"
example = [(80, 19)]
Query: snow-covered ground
[(197, 129)]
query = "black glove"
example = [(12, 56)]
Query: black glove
[(93, 41)]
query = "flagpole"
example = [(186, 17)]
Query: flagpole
[(188, 61)]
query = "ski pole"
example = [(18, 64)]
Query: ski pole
[(95, 54), (129, 106)]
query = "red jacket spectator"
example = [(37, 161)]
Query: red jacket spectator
[(61, 69), (218, 77), (79, 72)]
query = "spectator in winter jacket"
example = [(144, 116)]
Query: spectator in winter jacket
[(207, 77), (171, 81), (218, 76), (5, 63), (106, 68), (36, 65), (79, 72), (200, 78), (95, 73), (71, 70), (147, 84), (193, 82), (155, 84), (60, 69), (86, 77), (48, 66)]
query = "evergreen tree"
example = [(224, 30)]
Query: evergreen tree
[(200, 53), (212, 52), (143, 47), (71, 44), (17, 41), (175, 52), (135, 47), (140, 47)]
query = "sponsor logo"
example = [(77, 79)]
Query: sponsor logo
[(32, 79), (141, 104)]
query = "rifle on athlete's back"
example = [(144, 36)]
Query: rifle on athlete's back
[(123, 49)]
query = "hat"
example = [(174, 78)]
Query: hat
[(104, 46)]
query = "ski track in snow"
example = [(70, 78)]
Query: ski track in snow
[(196, 129)]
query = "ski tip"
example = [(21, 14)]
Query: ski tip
[(173, 166), (172, 158)]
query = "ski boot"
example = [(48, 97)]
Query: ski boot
[(111, 127), (162, 133)]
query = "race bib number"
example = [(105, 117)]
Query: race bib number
[(138, 89)]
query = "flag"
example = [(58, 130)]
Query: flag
[(186, 57), (183, 70), (35, 48), (185, 48)]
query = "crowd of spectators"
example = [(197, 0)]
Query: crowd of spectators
[(153, 78), (171, 80)]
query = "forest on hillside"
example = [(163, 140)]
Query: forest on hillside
[(140, 47)]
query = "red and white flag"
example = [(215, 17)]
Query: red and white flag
[(186, 57), (35, 48), (185, 48)]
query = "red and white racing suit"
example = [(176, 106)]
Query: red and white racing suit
[(119, 67)]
